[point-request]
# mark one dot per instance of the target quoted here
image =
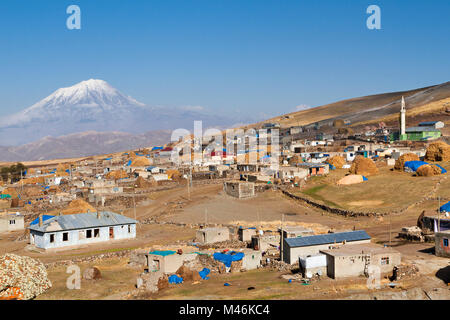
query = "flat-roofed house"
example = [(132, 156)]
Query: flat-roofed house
[(78, 229), (293, 248), (11, 222)]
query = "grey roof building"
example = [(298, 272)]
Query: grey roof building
[(82, 228), (293, 248)]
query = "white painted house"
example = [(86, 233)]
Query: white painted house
[(83, 228)]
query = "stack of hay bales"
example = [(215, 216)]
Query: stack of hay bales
[(116, 174), (143, 184), (438, 151), (363, 166), (22, 277), (400, 163), (427, 171), (337, 161), (338, 123), (345, 130), (295, 159), (174, 174), (78, 206), (140, 162), (33, 180)]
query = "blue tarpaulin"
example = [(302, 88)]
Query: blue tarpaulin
[(44, 217), (227, 258), (175, 279), (163, 253), (203, 274), (129, 163), (364, 178), (157, 148), (414, 165), (445, 207)]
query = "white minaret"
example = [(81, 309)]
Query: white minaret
[(403, 117)]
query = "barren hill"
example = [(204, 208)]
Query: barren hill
[(372, 108)]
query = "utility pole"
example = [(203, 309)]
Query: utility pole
[(206, 216), (439, 214), (281, 237)]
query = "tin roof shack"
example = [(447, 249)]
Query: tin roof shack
[(212, 235), (252, 259), (293, 248), (312, 265), (442, 248), (246, 234), (354, 261), (239, 189), (84, 228), (167, 261), (11, 222)]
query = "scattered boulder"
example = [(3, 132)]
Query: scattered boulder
[(22, 277), (92, 273), (400, 163), (438, 151), (363, 166)]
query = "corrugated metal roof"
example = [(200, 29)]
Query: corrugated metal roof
[(85, 220), (421, 129), (327, 238)]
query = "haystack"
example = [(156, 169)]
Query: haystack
[(426, 171), (400, 163), (140, 162), (142, 183), (350, 179), (345, 130), (438, 151), (78, 206), (116, 174), (173, 174), (295, 159), (338, 123), (337, 161), (33, 180), (363, 166)]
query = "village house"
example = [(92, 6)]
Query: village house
[(315, 169), (245, 234), (167, 261), (293, 248), (239, 189), (354, 260), (289, 172), (11, 221), (442, 248), (78, 229), (212, 235)]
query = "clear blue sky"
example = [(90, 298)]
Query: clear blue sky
[(257, 56)]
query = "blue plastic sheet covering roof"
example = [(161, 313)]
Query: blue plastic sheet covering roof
[(157, 148), (107, 159), (175, 279), (44, 217), (327, 238), (203, 274), (332, 167), (228, 258), (364, 178), (414, 165), (445, 207), (163, 252), (129, 163)]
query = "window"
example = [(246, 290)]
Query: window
[(385, 260), (88, 233), (52, 238), (96, 233), (12, 221), (65, 236), (129, 228), (445, 242)]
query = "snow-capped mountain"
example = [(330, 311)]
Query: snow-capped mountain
[(94, 105)]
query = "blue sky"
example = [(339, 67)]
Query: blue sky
[(259, 58)]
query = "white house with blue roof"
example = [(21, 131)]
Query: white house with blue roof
[(293, 248), (49, 232)]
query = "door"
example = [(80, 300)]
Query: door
[(111, 232)]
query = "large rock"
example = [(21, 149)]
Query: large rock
[(22, 276), (92, 273)]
